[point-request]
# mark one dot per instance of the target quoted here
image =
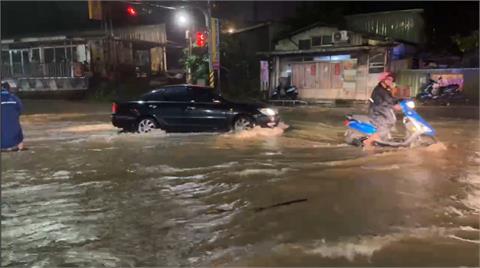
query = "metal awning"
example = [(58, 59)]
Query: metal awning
[(320, 50)]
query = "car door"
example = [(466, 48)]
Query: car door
[(206, 111), (172, 109)]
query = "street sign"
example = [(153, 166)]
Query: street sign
[(95, 10), (215, 42)]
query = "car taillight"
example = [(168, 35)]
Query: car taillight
[(114, 108)]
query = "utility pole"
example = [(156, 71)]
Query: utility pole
[(207, 15), (189, 54)]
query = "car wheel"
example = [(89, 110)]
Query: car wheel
[(146, 125), (242, 123)]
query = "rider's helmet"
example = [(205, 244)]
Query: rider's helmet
[(386, 75)]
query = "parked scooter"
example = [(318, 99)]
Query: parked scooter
[(436, 94), (288, 93), (418, 131)]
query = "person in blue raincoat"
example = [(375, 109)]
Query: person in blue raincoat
[(12, 135)]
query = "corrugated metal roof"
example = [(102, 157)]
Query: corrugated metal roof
[(402, 25), (416, 10)]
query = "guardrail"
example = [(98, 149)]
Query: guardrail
[(34, 70)]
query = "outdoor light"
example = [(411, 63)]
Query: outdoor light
[(131, 11), (411, 104), (201, 39), (231, 30), (268, 111), (182, 18)]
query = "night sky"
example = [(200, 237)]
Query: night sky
[(25, 17)]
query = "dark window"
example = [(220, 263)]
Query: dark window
[(201, 94), (179, 93), (316, 41), (16, 56), (5, 57), (71, 54), (154, 96), (304, 44), (60, 54), (48, 54), (35, 55), (327, 39)]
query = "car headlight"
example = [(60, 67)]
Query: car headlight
[(411, 104), (268, 111)]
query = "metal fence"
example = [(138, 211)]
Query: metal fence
[(54, 69), (416, 78)]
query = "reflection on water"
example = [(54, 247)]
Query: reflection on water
[(86, 195)]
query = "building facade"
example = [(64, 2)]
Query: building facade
[(324, 62), (328, 62), (68, 61)]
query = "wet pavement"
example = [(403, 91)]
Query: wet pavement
[(84, 195)]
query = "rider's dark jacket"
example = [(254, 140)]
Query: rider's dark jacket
[(11, 130), (381, 109)]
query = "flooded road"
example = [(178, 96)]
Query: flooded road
[(84, 195)]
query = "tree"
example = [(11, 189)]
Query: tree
[(311, 12), (197, 63), (240, 71), (466, 43)]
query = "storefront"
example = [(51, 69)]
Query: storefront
[(332, 74)]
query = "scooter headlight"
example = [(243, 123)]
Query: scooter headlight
[(411, 104), (268, 111)]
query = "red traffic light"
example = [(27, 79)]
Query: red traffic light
[(201, 39), (131, 11)]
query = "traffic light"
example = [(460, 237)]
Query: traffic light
[(131, 11), (201, 39)]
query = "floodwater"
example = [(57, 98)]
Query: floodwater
[(84, 195)]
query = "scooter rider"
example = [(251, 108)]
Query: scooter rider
[(381, 110)]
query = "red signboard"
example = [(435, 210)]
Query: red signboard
[(337, 68)]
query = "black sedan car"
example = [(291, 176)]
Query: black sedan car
[(189, 108)]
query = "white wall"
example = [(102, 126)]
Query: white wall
[(286, 44)]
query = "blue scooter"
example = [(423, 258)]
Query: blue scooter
[(418, 131)]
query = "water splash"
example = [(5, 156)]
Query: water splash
[(89, 128), (259, 132), (436, 147)]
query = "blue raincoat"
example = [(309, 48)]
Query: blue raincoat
[(12, 133)]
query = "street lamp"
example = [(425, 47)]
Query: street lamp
[(183, 18)]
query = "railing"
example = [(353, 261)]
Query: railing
[(35, 70)]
